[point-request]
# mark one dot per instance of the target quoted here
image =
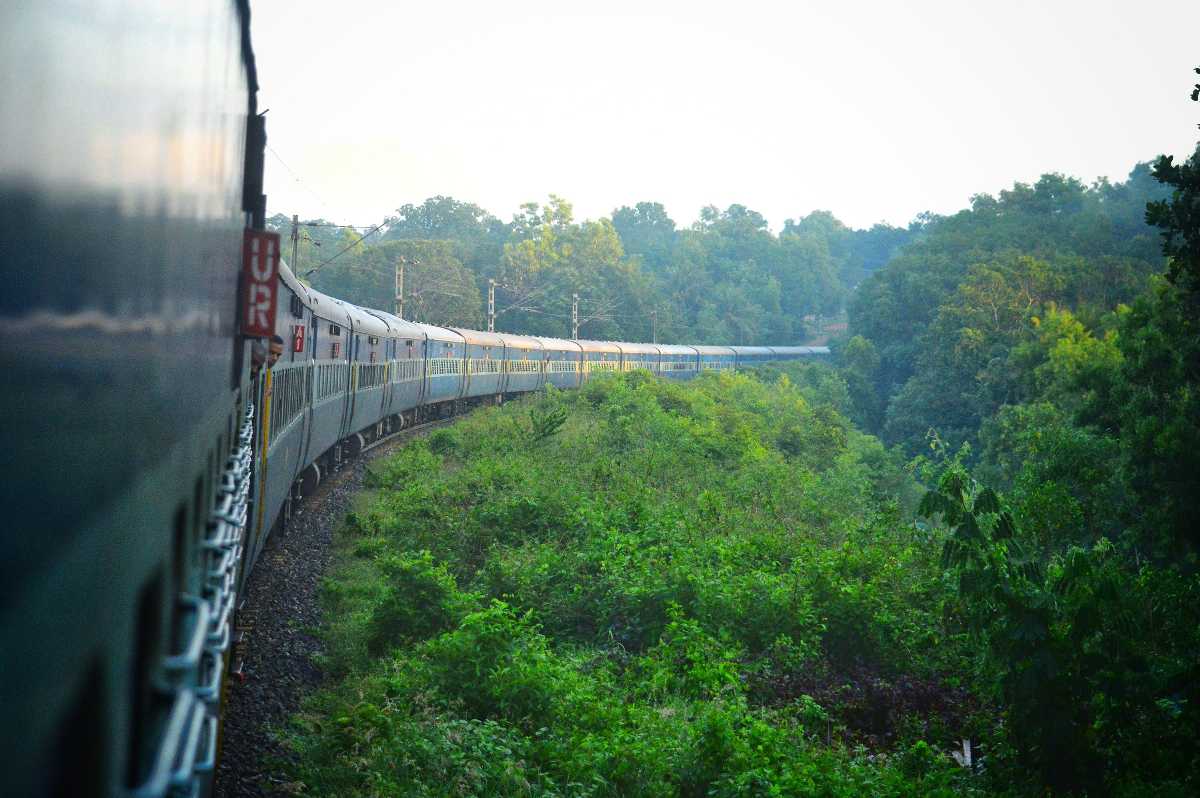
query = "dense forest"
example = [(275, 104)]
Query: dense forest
[(726, 279), (978, 522)]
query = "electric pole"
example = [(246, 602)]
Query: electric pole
[(295, 242), (491, 305), (574, 316), (400, 286), (654, 326)]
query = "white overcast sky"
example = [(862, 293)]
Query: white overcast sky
[(873, 109)]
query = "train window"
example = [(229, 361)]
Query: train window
[(372, 340), (334, 329), (297, 307)]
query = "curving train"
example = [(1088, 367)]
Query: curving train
[(351, 375), (144, 466)]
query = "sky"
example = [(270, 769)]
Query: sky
[(874, 110)]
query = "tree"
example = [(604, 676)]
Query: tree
[(552, 257), (1090, 655), (943, 361), (1178, 218), (856, 253), (478, 236), (438, 289), (860, 366), (647, 232)]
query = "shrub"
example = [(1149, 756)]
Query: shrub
[(422, 600)]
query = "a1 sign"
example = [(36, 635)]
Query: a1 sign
[(297, 337), (260, 289)]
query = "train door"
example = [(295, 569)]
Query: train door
[(311, 385), (352, 399), (389, 360)]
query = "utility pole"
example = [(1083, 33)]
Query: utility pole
[(574, 316), (491, 305), (295, 242), (400, 286), (654, 326)]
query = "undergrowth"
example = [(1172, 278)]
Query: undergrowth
[(641, 588)]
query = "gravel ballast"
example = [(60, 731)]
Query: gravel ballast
[(283, 609)]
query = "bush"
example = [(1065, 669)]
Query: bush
[(422, 600), (662, 598)]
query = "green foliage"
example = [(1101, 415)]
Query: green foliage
[(1178, 218), (946, 312), (421, 599), (444, 441), (546, 418), (689, 662), (476, 236), (667, 601), (647, 588), (726, 279), (1091, 655), (1150, 397)]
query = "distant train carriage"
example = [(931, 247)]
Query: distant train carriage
[(798, 352), (485, 361), (367, 370), (752, 355), (564, 362), (600, 357), (406, 365), (328, 352), (679, 362), (639, 356), (524, 363), (717, 358)]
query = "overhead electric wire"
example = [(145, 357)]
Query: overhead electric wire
[(319, 198), (298, 179), (345, 249), (331, 224)]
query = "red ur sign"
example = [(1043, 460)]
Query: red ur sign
[(297, 337), (260, 272)]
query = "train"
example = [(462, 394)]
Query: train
[(349, 376), (147, 458)]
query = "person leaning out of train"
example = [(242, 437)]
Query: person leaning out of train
[(258, 357), (275, 351)]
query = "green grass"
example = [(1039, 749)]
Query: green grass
[(639, 588)]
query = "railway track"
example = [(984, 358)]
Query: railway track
[(278, 628)]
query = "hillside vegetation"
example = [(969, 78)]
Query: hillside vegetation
[(980, 521), (643, 588)]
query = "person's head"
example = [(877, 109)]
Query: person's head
[(276, 350), (258, 356)]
